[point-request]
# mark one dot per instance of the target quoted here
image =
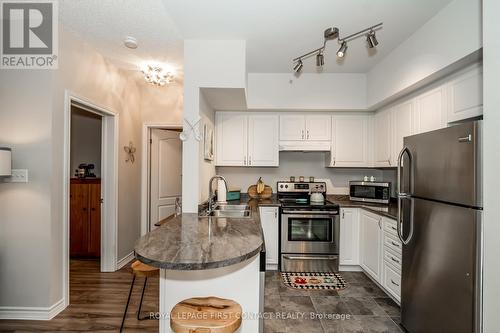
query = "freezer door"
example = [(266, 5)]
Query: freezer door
[(445, 164), (440, 272)]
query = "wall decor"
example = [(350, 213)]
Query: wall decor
[(130, 150), (208, 142)]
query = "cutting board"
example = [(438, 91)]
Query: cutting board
[(252, 192)]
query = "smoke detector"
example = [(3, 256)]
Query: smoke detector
[(130, 42)]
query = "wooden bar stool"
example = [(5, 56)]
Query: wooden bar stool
[(139, 269), (205, 315)]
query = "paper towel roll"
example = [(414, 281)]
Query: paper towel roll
[(221, 191)]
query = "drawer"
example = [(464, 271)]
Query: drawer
[(391, 227), (393, 243), (392, 258), (392, 281)]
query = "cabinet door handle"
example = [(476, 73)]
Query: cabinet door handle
[(389, 161), (249, 160), (333, 160), (394, 283), (302, 134), (307, 134), (394, 228), (395, 260), (380, 223), (395, 244), (343, 214), (244, 160)]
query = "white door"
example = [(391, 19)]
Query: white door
[(382, 144), (349, 147), (318, 127), (430, 111), (231, 140), (166, 174), (292, 128), (263, 144), (403, 126), (349, 236), (371, 242), (269, 221)]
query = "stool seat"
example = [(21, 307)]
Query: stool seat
[(206, 315), (141, 269)]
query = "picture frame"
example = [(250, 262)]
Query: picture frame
[(208, 142)]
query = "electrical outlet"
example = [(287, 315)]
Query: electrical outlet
[(18, 176)]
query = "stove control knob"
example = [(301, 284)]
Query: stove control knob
[(281, 186), (286, 186)]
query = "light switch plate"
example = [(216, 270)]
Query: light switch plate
[(18, 176)]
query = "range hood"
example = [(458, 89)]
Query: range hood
[(304, 146)]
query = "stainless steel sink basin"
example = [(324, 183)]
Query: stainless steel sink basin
[(229, 211)]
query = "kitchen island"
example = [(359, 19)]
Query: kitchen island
[(206, 256)]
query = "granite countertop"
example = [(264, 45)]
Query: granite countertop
[(390, 210), (189, 242)]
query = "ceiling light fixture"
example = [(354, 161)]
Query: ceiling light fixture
[(371, 39), (298, 66), (334, 33), (157, 74), (342, 49), (130, 42), (320, 59)]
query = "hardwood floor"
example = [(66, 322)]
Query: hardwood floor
[(97, 302)]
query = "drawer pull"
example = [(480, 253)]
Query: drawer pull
[(394, 228), (395, 260), (394, 283), (394, 243)]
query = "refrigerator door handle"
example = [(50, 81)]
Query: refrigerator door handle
[(402, 195)]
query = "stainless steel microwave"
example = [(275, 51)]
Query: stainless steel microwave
[(378, 192)]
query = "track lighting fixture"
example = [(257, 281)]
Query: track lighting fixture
[(298, 66), (334, 33), (371, 40), (342, 49), (320, 59)]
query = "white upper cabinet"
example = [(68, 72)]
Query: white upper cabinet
[(263, 142), (292, 127), (318, 127), (231, 138), (383, 139), (305, 127), (465, 95), (402, 115), (244, 139), (430, 110), (350, 141)]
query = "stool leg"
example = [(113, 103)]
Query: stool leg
[(142, 297), (128, 301)]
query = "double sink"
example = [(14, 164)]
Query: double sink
[(228, 211)]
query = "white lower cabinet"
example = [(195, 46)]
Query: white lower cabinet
[(270, 225), (372, 242), (370, 237), (349, 237)]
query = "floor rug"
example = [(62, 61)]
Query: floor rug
[(314, 281)]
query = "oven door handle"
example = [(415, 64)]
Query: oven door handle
[(310, 212), (320, 257)]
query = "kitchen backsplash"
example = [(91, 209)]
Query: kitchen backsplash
[(301, 164)]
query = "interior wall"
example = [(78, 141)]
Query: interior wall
[(430, 49), (207, 167), (162, 105), (86, 139), (491, 181), (297, 164)]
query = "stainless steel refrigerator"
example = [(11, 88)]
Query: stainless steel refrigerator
[(440, 206)]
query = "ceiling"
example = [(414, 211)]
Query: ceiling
[(275, 30)]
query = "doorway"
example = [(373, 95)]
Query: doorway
[(162, 179)]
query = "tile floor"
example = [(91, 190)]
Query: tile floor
[(362, 307)]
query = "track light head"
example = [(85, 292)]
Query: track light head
[(320, 59), (331, 33), (342, 50), (298, 66), (371, 39)]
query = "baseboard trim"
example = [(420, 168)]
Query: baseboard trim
[(350, 268), (32, 313), (125, 260)]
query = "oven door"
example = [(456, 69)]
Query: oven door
[(315, 232)]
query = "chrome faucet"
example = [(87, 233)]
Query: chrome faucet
[(211, 195)]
